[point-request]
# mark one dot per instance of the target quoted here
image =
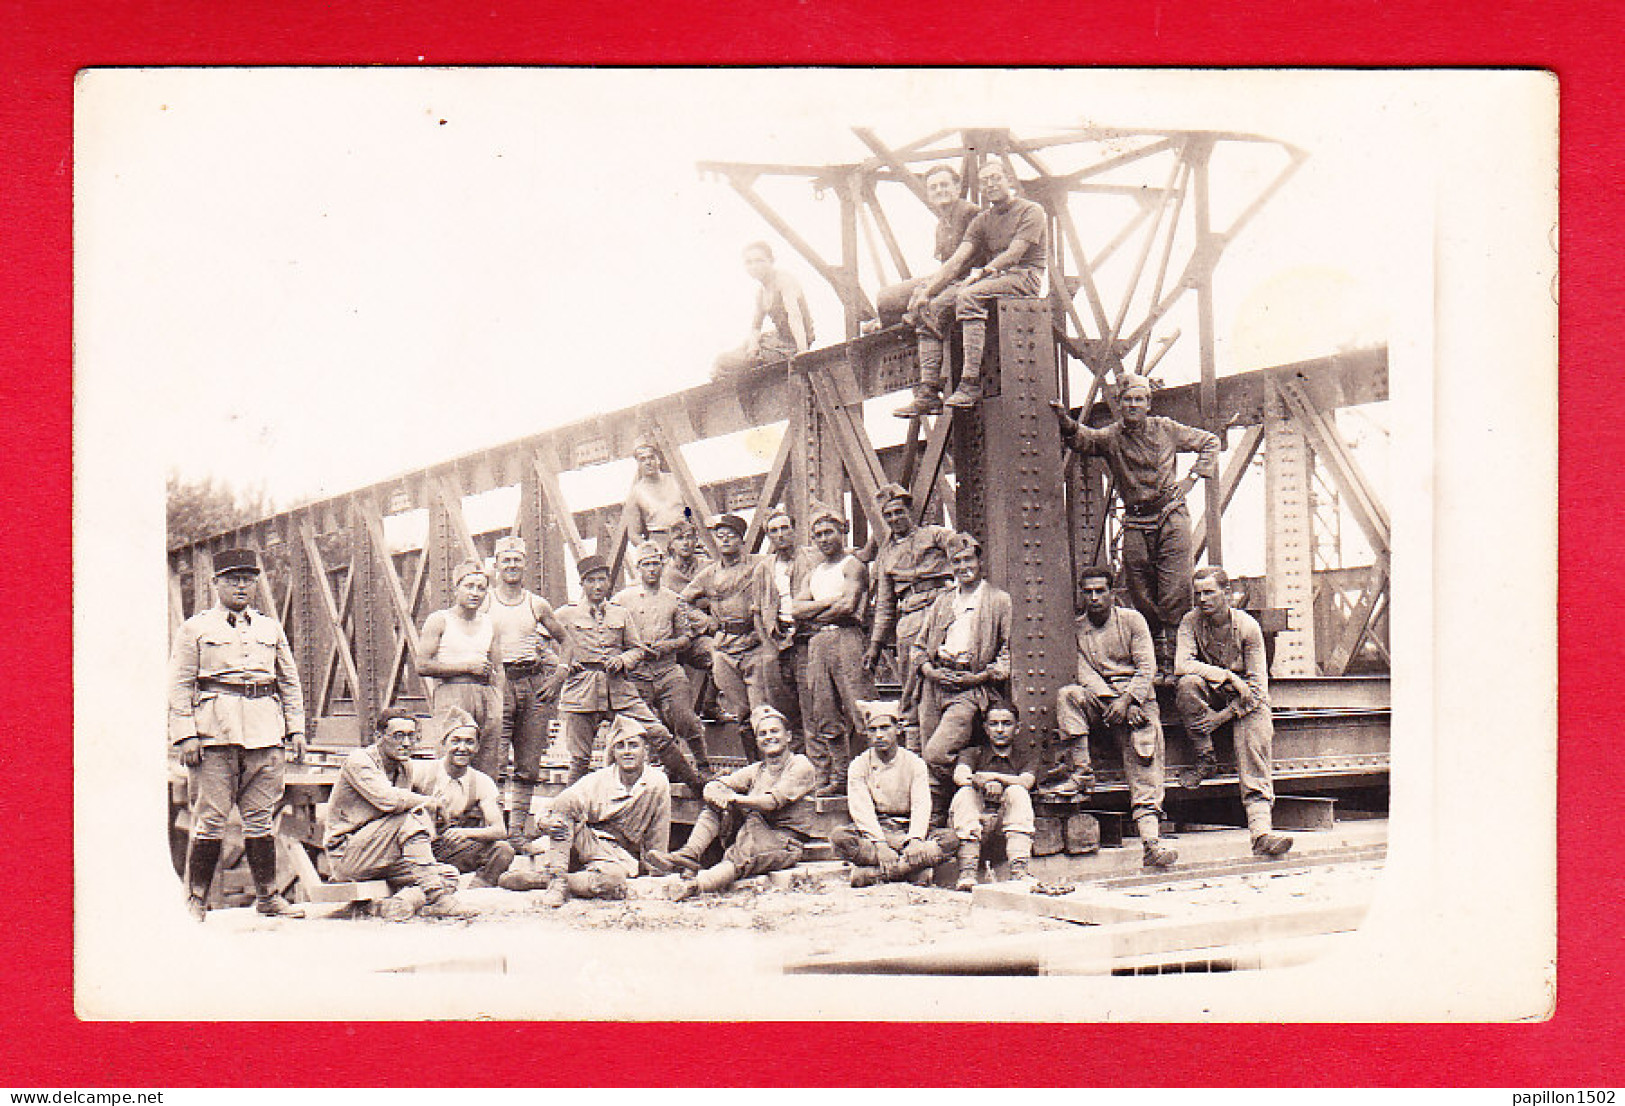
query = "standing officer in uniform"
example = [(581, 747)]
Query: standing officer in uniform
[(234, 701)]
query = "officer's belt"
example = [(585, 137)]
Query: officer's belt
[(247, 691)]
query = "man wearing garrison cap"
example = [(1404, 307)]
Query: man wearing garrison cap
[(1141, 450), (458, 650), (829, 604), (234, 702), (528, 636), (666, 625), (603, 646), (729, 590), (910, 570), (763, 811)]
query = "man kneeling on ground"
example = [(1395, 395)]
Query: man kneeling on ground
[(764, 811), (999, 775), (380, 824), (469, 825), (601, 826), (888, 797)]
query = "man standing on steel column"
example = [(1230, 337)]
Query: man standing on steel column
[(527, 633), (1223, 678), (1007, 241), (1141, 450), (234, 700)]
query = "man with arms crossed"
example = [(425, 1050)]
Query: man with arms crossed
[(999, 776), (834, 680)]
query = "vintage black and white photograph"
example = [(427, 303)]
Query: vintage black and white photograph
[(888, 544)]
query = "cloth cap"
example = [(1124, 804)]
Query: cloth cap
[(236, 560), (591, 563), (778, 512), (766, 711), (822, 511), (510, 544), (879, 708), (452, 719), (1134, 382), (730, 522), (466, 568), (623, 725), (648, 551), (889, 492)]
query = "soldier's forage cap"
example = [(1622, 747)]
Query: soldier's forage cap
[(452, 719), (778, 512), (1133, 382), (510, 544), (236, 560), (764, 712), (591, 563), (648, 551), (889, 492), (821, 512), (730, 522), (879, 708), (466, 568)]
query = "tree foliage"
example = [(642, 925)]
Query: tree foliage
[(202, 508)]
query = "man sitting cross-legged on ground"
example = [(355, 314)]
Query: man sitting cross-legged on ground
[(764, 811), (888, 797), (1001, 776), (469, 822), (601, 826), (380, 823)]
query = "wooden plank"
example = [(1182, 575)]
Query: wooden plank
[(324, 592)]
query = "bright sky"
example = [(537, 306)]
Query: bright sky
[(308, 280)]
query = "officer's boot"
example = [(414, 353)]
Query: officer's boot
[(200, 864), (969, 392), (261, 852), (970, 861)]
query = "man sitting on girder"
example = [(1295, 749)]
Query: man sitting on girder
[(954, 216), (1114, 696), (1141, 450), (963, 655), (654, 503), (1224, 679), (764, 811), (780, 302), (1007, 241)]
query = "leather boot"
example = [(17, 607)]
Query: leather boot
[(1018, 848), (261, 853), (865, 876), (200, 865), (927, 401), (403, 904), (969, 392), (596, 885), (970, 862), (1158, 855)]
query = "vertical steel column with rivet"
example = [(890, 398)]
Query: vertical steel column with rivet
[(1010, 472)]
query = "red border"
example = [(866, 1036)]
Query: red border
[(43, 1045)]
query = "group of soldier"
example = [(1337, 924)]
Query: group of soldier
[(784, 643)]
